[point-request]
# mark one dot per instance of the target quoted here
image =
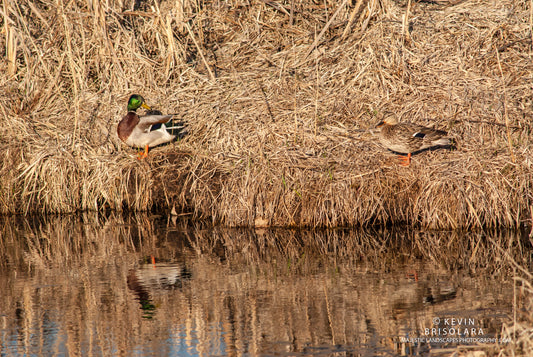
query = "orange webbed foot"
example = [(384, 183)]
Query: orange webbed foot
[(142, 154), (412, 275), (405, 160)]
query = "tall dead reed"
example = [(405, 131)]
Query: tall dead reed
[(278, 98)]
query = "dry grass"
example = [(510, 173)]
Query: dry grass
[(278, 97)]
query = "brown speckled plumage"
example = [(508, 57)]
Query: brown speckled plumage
[(407, 138)]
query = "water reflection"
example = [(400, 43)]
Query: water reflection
[(144, 286), (149, 279)]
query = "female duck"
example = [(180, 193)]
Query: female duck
[(407, 138), (134, 130)]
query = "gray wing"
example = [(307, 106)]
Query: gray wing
[(147, 121)]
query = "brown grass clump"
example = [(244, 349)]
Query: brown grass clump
[(278, 98)]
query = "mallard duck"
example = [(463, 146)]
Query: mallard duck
[(407, 138), (136, 131), (173, 127)]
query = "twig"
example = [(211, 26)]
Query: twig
[(200, 51), (328, 24), (531, 21), (317, 64), (352, 17), (507, 45), (267, 103), (277, 6), (138, 13), (368, 173), (506, 116), (405, 25)]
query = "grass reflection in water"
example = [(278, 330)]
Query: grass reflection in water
[(93, 285)]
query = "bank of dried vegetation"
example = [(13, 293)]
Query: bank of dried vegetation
[(278, 97)]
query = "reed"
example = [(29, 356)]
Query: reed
[(279, 99)]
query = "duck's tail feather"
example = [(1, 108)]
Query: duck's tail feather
[(173, 127), (442, 142)]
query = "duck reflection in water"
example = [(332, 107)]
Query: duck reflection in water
[(152, 278), (415, 295)]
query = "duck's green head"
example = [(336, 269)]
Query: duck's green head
[(135, 102)]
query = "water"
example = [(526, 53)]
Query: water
[(88, 285)]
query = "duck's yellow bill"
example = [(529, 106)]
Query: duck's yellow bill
[(146, 106)]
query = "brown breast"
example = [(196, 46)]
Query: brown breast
[(126, 125)]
